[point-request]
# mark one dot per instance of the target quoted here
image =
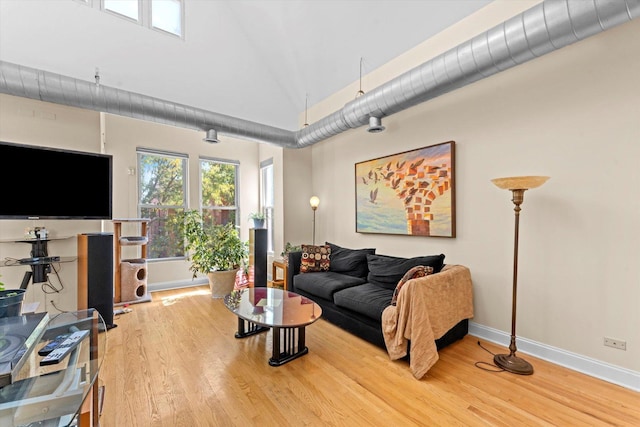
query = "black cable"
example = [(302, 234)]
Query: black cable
[(52, 288), (478, 364), (60, 310)]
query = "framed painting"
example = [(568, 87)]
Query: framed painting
[(410, 193)]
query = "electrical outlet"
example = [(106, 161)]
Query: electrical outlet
[(612, 342)]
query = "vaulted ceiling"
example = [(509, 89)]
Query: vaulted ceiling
[(254, 60)]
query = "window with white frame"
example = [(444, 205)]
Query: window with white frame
[(167, 16), (218, 191), (162, 179), (267, 198), (128, 8)]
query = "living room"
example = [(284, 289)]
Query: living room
[(557, 115)]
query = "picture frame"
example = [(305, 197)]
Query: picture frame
[(410, 193)]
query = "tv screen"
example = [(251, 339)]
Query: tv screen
[(48, 183)]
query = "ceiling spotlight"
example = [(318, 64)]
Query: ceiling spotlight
[(375, 125), (211, 137)]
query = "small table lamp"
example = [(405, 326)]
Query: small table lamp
[(517, 185)]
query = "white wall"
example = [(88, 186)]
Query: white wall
[(40, 123), (573, 115), (124, 135), (30, 122)]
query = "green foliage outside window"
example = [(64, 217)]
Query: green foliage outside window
[(161, 197)]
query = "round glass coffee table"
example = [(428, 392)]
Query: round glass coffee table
[(285, 312)]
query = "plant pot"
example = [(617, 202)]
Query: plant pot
[(11, 302), (258, 223), (221, 282)]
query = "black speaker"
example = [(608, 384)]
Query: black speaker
[(95, 274), (258, 255)]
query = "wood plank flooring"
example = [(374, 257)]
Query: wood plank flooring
[(174, 362)]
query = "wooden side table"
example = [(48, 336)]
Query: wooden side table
[(278, 264)]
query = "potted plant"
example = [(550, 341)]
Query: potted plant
[(214, 250), (10, 301), (288, 247), (258, 219)]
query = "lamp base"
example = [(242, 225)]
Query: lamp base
[(513, 364)]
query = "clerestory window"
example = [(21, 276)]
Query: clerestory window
[(166, 16)]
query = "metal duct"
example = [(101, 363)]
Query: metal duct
[(546, 27)]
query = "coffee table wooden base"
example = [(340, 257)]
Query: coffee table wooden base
[(287, 343), (247, 329), (291, 347)]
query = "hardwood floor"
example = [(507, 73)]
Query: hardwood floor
[(174, 362)]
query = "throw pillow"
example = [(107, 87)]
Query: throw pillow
[(315, 258), (386, 271), (413, 273), (352, 262)]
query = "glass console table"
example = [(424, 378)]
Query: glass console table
[(59, 394)]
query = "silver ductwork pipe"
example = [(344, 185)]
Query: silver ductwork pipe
[(546, 27)]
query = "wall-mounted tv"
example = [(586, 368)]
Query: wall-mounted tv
[(50, 183)]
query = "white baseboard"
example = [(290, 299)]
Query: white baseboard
[(163, 286), (595, 368)]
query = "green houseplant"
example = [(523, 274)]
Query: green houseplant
[(258, 219), (10, 301), (214, 250), (288, 247)]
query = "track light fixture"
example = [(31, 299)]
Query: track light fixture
[(375, 125), (211, 137)]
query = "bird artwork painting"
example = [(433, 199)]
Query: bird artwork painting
[(407, 193)]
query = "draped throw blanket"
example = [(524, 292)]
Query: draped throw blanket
[(427, 307)]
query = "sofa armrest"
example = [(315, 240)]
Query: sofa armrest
[(293, 267), (448, 295)]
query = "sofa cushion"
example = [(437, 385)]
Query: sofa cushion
[(315, 258), (387, 271), (369, 300), (324, 284), (350, 261)]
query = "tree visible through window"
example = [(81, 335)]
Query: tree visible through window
[(162, 195), (218, 183)]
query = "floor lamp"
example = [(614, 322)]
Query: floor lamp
[(517, 185), (314, 202)]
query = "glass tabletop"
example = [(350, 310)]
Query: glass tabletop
[(53, 394), (273, 307)]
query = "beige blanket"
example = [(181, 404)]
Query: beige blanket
[(427, 308)]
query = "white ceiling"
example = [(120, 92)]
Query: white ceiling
[(251, 59)]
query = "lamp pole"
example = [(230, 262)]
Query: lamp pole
[(517, 185), (314, 202)]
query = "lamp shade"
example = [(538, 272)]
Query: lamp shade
[(520, 182), (314, 202)]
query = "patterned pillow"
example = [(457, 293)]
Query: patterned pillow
[(413, 273), (315, 258)]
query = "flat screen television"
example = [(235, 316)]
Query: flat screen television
[(50, 183)]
